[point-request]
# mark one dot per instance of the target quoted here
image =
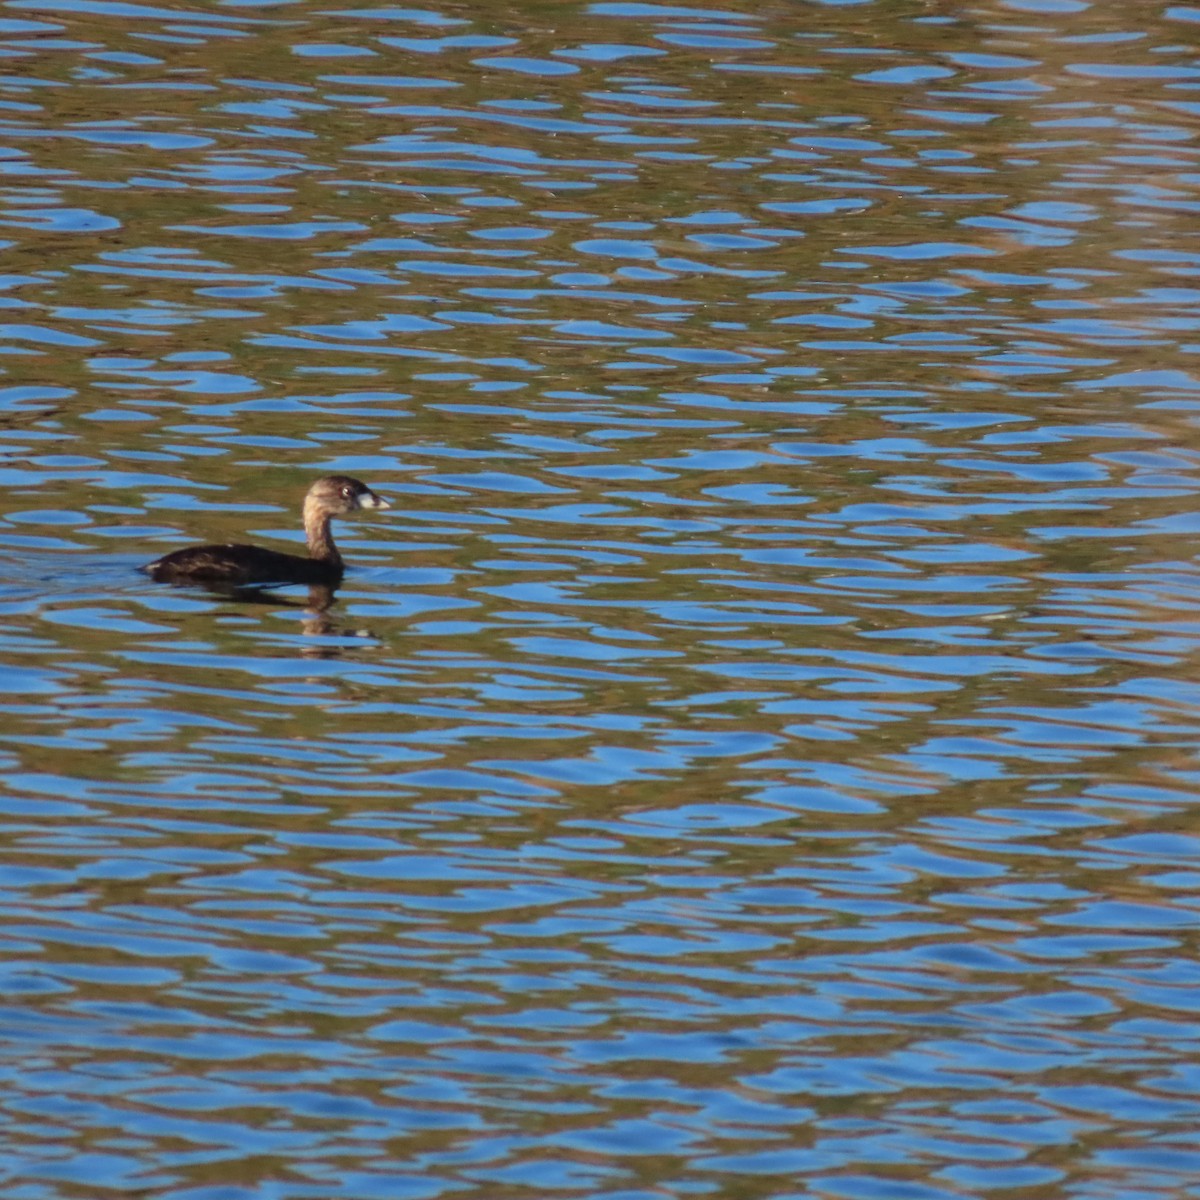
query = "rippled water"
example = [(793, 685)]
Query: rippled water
[(756, 757)]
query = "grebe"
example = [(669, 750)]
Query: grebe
[(235, 565)]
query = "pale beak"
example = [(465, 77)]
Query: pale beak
[(370, 500)]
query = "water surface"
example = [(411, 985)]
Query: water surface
[(756, 757)]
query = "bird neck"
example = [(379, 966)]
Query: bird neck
[(318, 535)]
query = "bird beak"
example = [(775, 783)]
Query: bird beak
[(370, 500)]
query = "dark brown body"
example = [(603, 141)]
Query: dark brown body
[(237, 565)]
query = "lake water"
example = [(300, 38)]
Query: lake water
[(756, 756)]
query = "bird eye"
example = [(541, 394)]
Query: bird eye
[(347, 492)]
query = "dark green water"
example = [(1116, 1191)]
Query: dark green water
[(756, 757)]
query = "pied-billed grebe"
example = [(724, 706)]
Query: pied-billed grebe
[(233, 565)]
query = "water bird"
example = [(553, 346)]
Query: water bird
[(235, 565)]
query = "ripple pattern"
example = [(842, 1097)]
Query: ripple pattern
[(757, 757)]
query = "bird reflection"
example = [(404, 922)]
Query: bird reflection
[(316, 620), (317, 623)]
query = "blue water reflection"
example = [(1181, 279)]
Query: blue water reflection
[(755, 755)]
